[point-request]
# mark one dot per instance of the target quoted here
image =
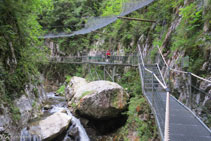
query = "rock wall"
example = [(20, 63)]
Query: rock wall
[(27, 107)]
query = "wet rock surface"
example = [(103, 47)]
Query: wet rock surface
[(52, 126), (98, 99), (98, 104), (57, 123), (25, 110)]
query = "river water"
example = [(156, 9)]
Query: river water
[(57, 103)]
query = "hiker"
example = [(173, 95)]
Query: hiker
[(108, 54)]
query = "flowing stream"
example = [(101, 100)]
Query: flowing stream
[(58, 103)]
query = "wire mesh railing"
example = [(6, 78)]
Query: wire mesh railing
[(156, 93), (191, 83), (115, 60), (196, 98)]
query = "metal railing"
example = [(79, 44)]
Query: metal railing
[(124, 60), (192, 88), (157, 105), (178, 71)]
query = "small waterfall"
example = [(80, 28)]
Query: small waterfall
[(82, 132), (76, 122), (26, 136), (56, 107)]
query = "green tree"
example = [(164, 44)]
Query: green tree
[(19, 43)]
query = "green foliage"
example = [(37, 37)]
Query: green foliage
[(112, 7), (19, 44), (68, 16), (131, 82), (16, 115), (146, 127), (195, 64), (68, 78), (188, 36), (59, 71), (34, 104), (137, 108), (153, 53), (61, 90), (36, 93)]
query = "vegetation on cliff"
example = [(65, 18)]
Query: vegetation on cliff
[(19, 45)]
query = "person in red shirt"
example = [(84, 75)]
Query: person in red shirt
[(108, 54)]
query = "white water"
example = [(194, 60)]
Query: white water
[(82, 132), (56, 107), (26, 136)]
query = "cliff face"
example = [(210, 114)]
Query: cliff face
[(14, 116)]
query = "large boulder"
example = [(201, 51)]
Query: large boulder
[(51, 126), (99, 99), (74, 84)]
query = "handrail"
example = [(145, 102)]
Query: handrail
[(163, 85), (161, 75), (200, 77), (162, 56), (116, 60), (184, 72), (180, 70), (142, 60), (166, 129)]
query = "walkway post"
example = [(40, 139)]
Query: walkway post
[(104, 73), (190, 90), (166, 132), (153, 90), (113, 74)]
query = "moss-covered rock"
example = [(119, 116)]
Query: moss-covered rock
[(99, 99)]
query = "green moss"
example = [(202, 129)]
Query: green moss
[(86, 93), (34, 104), (36, 93), (115, 99), (16, 115), (74, 105)]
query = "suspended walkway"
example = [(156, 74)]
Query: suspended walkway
[(183, 124), (114, 60), (175, 121)]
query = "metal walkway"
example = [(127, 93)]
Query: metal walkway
[(130, 60), (184, 125)]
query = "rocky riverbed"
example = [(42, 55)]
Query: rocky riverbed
[(56, 123), (98, 105)]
